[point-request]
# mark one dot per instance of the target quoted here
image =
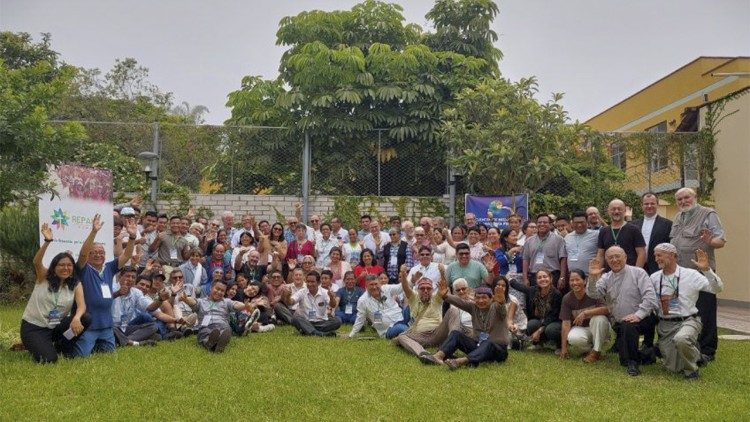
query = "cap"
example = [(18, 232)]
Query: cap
[(127, 212)]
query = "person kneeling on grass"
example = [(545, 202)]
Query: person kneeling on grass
[(379, 306), (585, 325), (315, 313), (677, 289), (49, 326), (491, 337), (213, 313)]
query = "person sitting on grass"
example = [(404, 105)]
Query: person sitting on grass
[(490, 339), (677, 289), (49, 326), (380, 308), (285, 313), (214, 313), (430, 327), (585, 325), (347, 299), (133, 326), (542, 309), (326, 281), (314, 315), (97, 280), (259, 318)]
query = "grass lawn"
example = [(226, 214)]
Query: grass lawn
[(283, 376)]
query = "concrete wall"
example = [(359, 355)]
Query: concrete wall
[(731, 194), (264, 207)]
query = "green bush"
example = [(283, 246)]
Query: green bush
[(18, 244)]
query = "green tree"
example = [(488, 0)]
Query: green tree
[(504, 141), (464, 27), (31, 83), (349, 72)]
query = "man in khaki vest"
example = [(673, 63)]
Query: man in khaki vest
[(696, 227)]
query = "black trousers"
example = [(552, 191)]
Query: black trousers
[(649, 330), (139, 332), (708, 340), (44, 343), (628, 335), (485, 351)]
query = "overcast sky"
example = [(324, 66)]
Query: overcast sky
[(597, 52)]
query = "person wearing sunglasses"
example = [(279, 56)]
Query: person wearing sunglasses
[(425, 267)]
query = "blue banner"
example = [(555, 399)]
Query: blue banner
[(493, 211)]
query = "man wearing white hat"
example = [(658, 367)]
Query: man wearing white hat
[(677, 289)]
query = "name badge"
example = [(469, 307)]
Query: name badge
[(206, 320), (674, 306), (377, 316), (539, 258), (173, 253), (311, 314), (106, 292), (349, 309), (573, 255), (393, 261), (483, 337), (54, 318)]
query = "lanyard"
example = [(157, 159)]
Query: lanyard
[(614, 236), (484, 319), (675, 286), (540, 247), (56, 298)]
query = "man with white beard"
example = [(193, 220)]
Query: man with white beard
[(696, 227)]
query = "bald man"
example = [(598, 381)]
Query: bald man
[(623, 234), (630, 297), (696, 227)]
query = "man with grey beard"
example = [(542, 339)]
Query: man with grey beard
[(696, 227)]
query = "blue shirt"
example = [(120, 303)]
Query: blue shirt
[(97, 306), (502, 261), (347, 297)]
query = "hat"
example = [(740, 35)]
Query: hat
[(127, 212), (666, 247), (483, 291)]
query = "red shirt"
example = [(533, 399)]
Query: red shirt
[(363, 272)]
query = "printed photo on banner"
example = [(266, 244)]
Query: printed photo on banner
[(493, 211), (78, 194)]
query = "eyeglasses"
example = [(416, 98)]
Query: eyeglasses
[(276, 276), (393, 234), (418, 234), (277, 229), (425, 288), (177, 277), (463, 253), (425, 254), (460, 289), (314, 221)]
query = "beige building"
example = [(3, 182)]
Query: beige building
[(680, 102)]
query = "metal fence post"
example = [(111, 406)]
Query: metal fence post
[(305, 178), (452, 196), (157, 166), (379, 156)]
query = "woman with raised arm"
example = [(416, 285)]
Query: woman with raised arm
[(49, 324)]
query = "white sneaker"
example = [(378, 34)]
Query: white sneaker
[(251, 320), (266, 328)]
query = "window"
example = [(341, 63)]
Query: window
[(618, 155), (659, 155)]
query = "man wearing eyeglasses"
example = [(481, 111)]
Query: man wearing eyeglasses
[(425, 269), (467, 268), (678, 289)]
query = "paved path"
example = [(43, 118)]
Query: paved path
[(734, 318)]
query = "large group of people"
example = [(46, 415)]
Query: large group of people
[(572, 284)]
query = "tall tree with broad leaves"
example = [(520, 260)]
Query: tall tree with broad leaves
[(346, 73)]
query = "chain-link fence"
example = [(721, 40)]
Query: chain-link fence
[(270, 160)]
